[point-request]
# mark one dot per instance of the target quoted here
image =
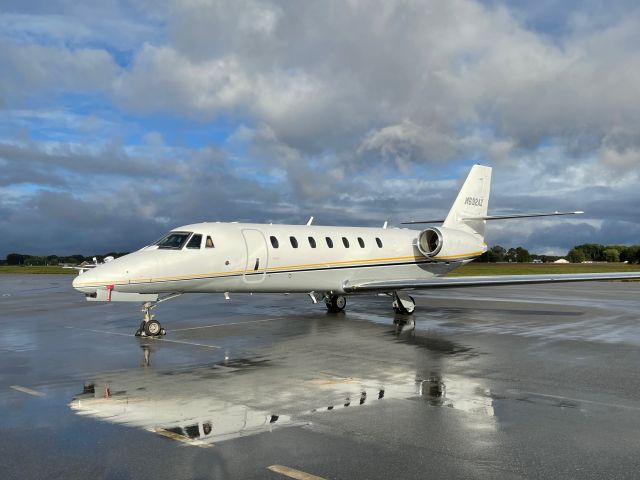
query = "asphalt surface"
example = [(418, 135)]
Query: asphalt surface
[(510, 382)]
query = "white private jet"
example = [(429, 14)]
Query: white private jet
[(325, 262)]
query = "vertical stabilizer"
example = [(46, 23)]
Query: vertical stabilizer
[(472, 201)]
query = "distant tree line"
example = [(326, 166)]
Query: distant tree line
[(501, 254), (22, 259), (588, 252), (594, 252)]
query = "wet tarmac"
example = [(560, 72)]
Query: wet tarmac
[(510, 382)]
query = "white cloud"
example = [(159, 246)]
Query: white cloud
[(30, 69), (162, 80), (416, 81), (409, 141), (121, 25)]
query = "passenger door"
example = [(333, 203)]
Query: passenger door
[(257, 255)]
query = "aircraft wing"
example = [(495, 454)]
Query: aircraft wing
[(483, 281)]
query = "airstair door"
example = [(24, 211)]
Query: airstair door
[(257, 255)]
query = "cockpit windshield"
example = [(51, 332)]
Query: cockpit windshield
[(173, 240)]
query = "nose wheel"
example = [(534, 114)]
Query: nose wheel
[(151, 328)]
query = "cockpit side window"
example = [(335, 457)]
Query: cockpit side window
[(173, 240), (209, 243), (195, 241)]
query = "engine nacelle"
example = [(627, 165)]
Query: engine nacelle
[(448, 243)]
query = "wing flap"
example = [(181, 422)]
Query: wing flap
[(484, 281)]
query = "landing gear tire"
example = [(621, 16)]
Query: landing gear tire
[(336, 303), (153, 328), (140, 330)]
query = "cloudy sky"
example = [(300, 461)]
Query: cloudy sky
[(122, 119)]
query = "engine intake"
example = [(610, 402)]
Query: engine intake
[(430, 242)]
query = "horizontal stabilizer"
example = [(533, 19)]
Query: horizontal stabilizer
[(499, 217), (484, 281)]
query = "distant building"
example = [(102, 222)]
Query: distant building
[(562, 260), (536, 260)]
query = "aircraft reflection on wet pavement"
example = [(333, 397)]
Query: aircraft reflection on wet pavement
[(237, 398)]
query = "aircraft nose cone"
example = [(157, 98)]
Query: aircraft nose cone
[(83, 281)]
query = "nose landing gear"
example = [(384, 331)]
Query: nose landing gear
[(150, 327)]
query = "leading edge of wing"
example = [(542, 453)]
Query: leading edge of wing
[(484, 281)]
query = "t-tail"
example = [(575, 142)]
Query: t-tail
[(469, 211), (461, 235)]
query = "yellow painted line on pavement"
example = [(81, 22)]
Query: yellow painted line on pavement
[(224, 324), (28, 391), (180, 342), (98, 331), (155, 339), (293, 473)]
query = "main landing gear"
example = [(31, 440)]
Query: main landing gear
[(335, 303), (403, 303), (150, 327)]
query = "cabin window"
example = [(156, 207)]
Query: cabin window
[(312, 242), (274, 242), (294, 242), (379, 242), (209, 242), (329, 242), (195, 242), (361, 242), (173, 240), (345, 242)]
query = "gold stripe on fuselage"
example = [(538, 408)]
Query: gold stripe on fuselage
[(273, 269)]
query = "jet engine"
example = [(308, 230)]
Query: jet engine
[(430, 242), (449, 243)]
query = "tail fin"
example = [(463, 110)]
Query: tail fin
[(472, 201)]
